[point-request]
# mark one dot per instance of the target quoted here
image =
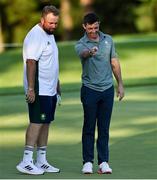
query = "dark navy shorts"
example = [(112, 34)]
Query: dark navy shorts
[(42, 110)]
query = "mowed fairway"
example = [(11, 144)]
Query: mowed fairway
[(133, 142)]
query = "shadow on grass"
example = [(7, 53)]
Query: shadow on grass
[(73, 114), (69, 116), (132, 154), (10, 58), (71, 87), (131, 157), (134, 157)]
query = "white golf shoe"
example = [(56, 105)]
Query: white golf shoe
[(87, 168), (46, 167), (29, 168), (104, 168)]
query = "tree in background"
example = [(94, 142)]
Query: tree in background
[(87, 5), (117, 17), (17, 17), (1, 38), (154, 14), (146, 20), (66, 19)]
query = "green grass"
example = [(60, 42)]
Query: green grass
[(137, 54), (132, 143), (133, 128)]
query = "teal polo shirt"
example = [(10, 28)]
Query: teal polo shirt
[(96, 70)]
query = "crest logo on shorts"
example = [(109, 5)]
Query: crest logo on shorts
[(43, 117)]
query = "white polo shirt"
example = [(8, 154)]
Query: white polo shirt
[(40, 46)]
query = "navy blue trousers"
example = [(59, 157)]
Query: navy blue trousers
[(97, 107)]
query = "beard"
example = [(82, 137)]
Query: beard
[(48, 31)]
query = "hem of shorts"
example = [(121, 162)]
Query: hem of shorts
[(42, 122)]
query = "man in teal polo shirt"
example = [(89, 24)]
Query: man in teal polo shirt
[(99, 60)]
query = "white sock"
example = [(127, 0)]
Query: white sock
[(28, 153), (41, 154)]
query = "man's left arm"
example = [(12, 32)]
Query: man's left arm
[(58, 88), (58, 93), (117, 74)]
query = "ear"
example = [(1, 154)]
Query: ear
[(42, 21), (84, 27)]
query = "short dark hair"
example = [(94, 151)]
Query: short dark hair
[(50, 9), (90, 18)]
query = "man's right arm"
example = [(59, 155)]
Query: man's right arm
[(84, 52), (31, 70)]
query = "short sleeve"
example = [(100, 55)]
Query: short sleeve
[(33, 46)]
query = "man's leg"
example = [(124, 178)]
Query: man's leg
[(43, 136), (47, 108), (88, 133), (27, 166), (89, 99), (32, 134), (42, 143), (41, 151), (104, 117)]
